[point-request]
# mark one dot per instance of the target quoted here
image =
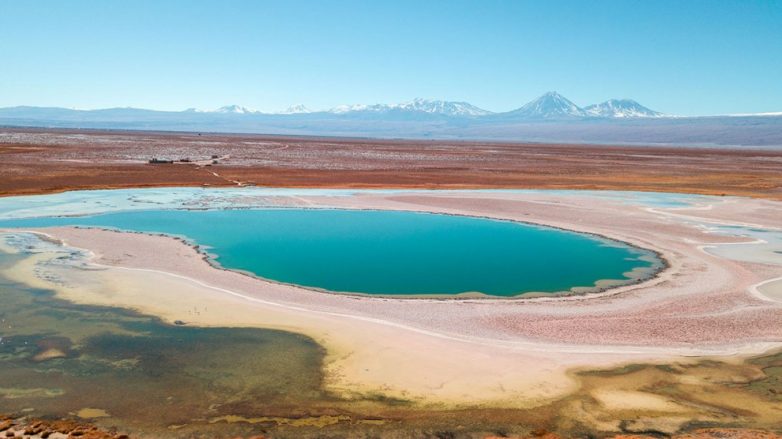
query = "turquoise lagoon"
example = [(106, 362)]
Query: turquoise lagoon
[(386, 252)]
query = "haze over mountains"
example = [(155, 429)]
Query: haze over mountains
[(549, 118)]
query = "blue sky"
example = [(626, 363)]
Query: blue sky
[(679, 57)]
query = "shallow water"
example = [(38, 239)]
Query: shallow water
[(765, 249), (113, 200), (385, 252), (151, 379), (58, 358)]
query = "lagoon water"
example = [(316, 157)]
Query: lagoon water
[(384, 252)]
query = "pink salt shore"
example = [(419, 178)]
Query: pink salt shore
[(699, 305)]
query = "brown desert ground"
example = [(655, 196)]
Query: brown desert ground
[(49, 160)]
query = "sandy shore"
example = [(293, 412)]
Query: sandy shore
[(499, 351)]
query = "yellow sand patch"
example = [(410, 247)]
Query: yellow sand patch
[(49, 354), (92, 413), (631, 400)]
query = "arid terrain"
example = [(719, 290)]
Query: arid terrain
[(41, 160)]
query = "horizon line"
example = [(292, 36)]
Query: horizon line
[(330, 110)]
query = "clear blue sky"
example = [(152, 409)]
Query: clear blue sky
[(679, 57)]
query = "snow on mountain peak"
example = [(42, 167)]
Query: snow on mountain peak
[(235, 109), (620, 108), (449, 108), (551, 105), (418, 105)]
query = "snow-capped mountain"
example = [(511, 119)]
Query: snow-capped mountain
[(296, 109), (449, 108), (620, 108), (446, 108), (551, 105), (235, 109)]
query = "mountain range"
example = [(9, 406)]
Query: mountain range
[(551, 105), (428, 106), (549, 118)]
